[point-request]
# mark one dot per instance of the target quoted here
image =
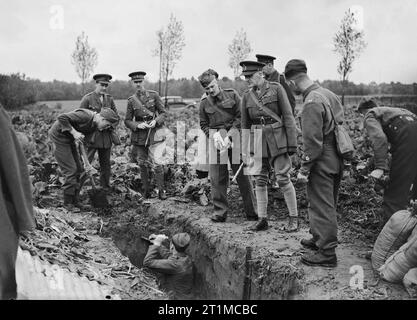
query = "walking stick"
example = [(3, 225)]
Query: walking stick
[(238, 171)]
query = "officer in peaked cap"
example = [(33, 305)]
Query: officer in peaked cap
[(102, 78), (175, 265), (220, 111), (101, 141), (265, 107), (144, 116), (138, 76), (271, 74)]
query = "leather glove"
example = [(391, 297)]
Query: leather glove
[(218, 141), (228, 143), (377, 174)]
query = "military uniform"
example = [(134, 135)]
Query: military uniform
[(278, 139), (100, 141), (176, 268), (65, 150), (16, 209), (322, 164), (223, 112), (145, 106), (275, 76), (68, 158), (397, 127)]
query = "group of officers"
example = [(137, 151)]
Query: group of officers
[(267, 106)]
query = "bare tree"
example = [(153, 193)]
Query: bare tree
[(349, 43), (170, 44), (84, 58), (238, 50)]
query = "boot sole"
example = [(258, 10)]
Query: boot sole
[(315, 248), (326, 265)]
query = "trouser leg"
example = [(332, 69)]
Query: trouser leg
[(105, 166), (402, 173), (246, 191), (64, 155), (219, 178), (261, 190), (8, 252), (321, 193)]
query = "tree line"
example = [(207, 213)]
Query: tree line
[(16, 90)]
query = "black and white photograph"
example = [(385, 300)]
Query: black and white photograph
[(225, 153)]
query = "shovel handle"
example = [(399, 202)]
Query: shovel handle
[(84, 157)]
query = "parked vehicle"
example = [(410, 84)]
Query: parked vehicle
[(178, 103)]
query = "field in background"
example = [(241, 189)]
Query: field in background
[(69, 105)]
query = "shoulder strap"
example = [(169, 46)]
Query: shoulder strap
[(269, 112), (135, 97)]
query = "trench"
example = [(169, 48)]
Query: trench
[(227, 265)]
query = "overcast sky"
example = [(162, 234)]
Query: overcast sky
[(124, 33)]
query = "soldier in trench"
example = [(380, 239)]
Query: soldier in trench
[(16, 211), (174, 264)]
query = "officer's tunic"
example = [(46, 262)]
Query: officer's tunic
[(64, 147), (145, 106), (279, 138), (100, 141), (276, 77), (397, 127), (16, 210), (223, 112), (177, 270), (321, 163)]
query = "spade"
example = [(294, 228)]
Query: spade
[(98, 196)]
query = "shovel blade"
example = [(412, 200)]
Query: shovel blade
[(98, 198)]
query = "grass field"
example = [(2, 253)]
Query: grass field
[(69, 105)]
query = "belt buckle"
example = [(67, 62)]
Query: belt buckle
[(262, 121)]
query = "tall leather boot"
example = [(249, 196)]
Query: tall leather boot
[(159, 177), (69, 201), (144, 176)]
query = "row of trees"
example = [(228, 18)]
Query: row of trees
[(16, 90)]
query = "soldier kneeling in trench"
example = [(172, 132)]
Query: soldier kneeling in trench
[(174, 264)]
